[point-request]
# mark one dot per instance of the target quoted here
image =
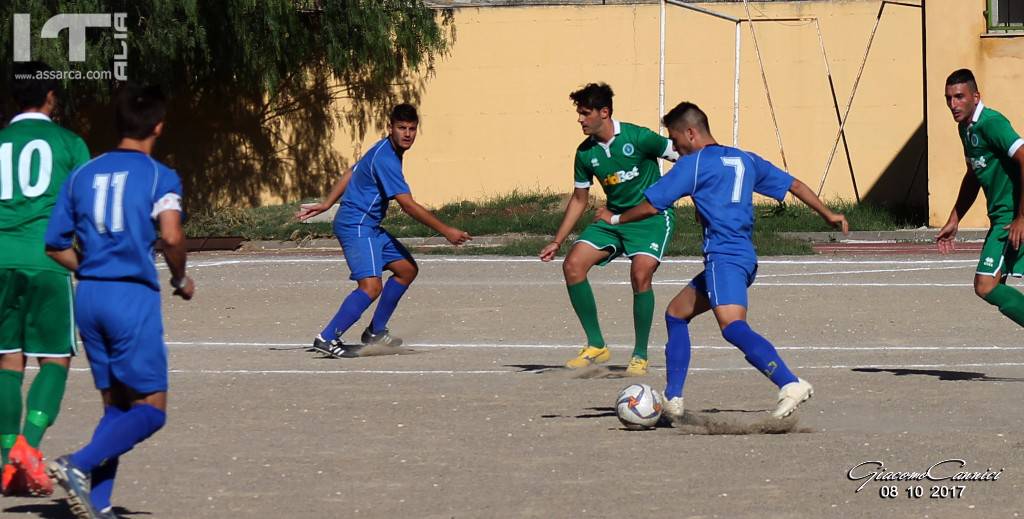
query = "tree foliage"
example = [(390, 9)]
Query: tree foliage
[(254, 85)]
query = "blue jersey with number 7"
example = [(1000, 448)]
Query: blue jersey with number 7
[(111, 205), (722, 180)]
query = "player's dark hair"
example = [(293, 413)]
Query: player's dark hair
[(594, 96), (138, 109), (32, 81), (687, 115), (963, 75), (405, 113)]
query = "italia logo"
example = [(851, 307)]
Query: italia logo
[(594, 163), (628, 149), (989, 262)]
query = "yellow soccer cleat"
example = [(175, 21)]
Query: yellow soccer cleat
[(637, 367), (588, 356)]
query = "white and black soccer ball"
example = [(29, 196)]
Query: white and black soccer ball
[(638, 406)]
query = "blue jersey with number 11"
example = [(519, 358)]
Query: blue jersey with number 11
[(722, 182), (111, 204)]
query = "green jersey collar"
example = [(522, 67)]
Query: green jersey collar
[(977, 112), (36, 116), (608, 145)]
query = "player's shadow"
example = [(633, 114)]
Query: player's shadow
[(58, 509), (715, 410), (947, 375), (589, 372), (598, 412), (536, 368)]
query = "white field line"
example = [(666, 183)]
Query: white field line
[(229, 344), (515, 371), (691, 261), (869, 271)]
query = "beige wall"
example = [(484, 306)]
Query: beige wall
[(497, 117), (955, 40)]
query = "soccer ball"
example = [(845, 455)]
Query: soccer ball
[(638, 406)]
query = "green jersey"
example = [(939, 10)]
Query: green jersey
[(36, 156), (624, 166), (989, 144)]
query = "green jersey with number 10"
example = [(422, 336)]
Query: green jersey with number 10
[(36, 156), (989, 145), (625, 166)]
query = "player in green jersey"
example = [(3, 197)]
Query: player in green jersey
[(36, 320), (995, 163), (622, 157)]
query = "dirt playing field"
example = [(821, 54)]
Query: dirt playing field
[(476, 418)]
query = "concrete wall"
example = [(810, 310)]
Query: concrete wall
[(496, 115), (956, 38)]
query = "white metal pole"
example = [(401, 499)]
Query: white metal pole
[(661, 79), (736, 94)]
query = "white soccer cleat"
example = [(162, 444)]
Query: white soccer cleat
[(792, 395), (673, 408)]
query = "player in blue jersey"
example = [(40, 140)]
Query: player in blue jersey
[(365, 191), (113, 205), (721, 181)]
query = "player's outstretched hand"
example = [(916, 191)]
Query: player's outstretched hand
[(604, 215), (456, 236), (307, 211), (946, 238), (838, 221), (187, 289), (1016, 229), (549, 251)]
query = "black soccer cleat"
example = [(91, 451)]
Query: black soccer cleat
[(77, 484), (383, 338), (335, 348)]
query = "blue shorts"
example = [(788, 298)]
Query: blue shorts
[(368, 249), (725, 282), (123, 334)]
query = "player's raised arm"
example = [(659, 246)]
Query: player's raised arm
[(423, 215), (965, 198), (307, 211), (573, 211), (804, 193)]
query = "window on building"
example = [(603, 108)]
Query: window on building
[(1005, 15)]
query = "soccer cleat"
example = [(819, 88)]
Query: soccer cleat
[(792, 395), (107, 513), (334, 348), (637, 367), (673, 408), (29, 461), (13, 481), (76, 483), (588, 356), (383, 338)]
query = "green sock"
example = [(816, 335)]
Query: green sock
[(10, 409), (1009, 301), (43, 401), (643, 314), (582, 298)]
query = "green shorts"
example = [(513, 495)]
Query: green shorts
[(997, 255), (648, 236), (36, 313)]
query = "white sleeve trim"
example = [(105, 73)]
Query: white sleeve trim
[(169, 202), (670, 153), (1016, 146), (582, 185)]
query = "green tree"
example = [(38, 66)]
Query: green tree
[(253, 84)]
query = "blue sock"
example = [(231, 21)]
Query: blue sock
[(759, 352), (389, 297), (120, 436), (103, 476), (677, 355), (351, 310)]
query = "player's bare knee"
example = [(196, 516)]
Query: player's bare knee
[(641, 281), (984, 285), (575, 270), (371, 286)]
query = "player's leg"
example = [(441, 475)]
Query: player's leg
[(689, 303), (727, 286), (363, 255), (641, 273), (997, 260), (13, 288), (581, 258), (404, 270)]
